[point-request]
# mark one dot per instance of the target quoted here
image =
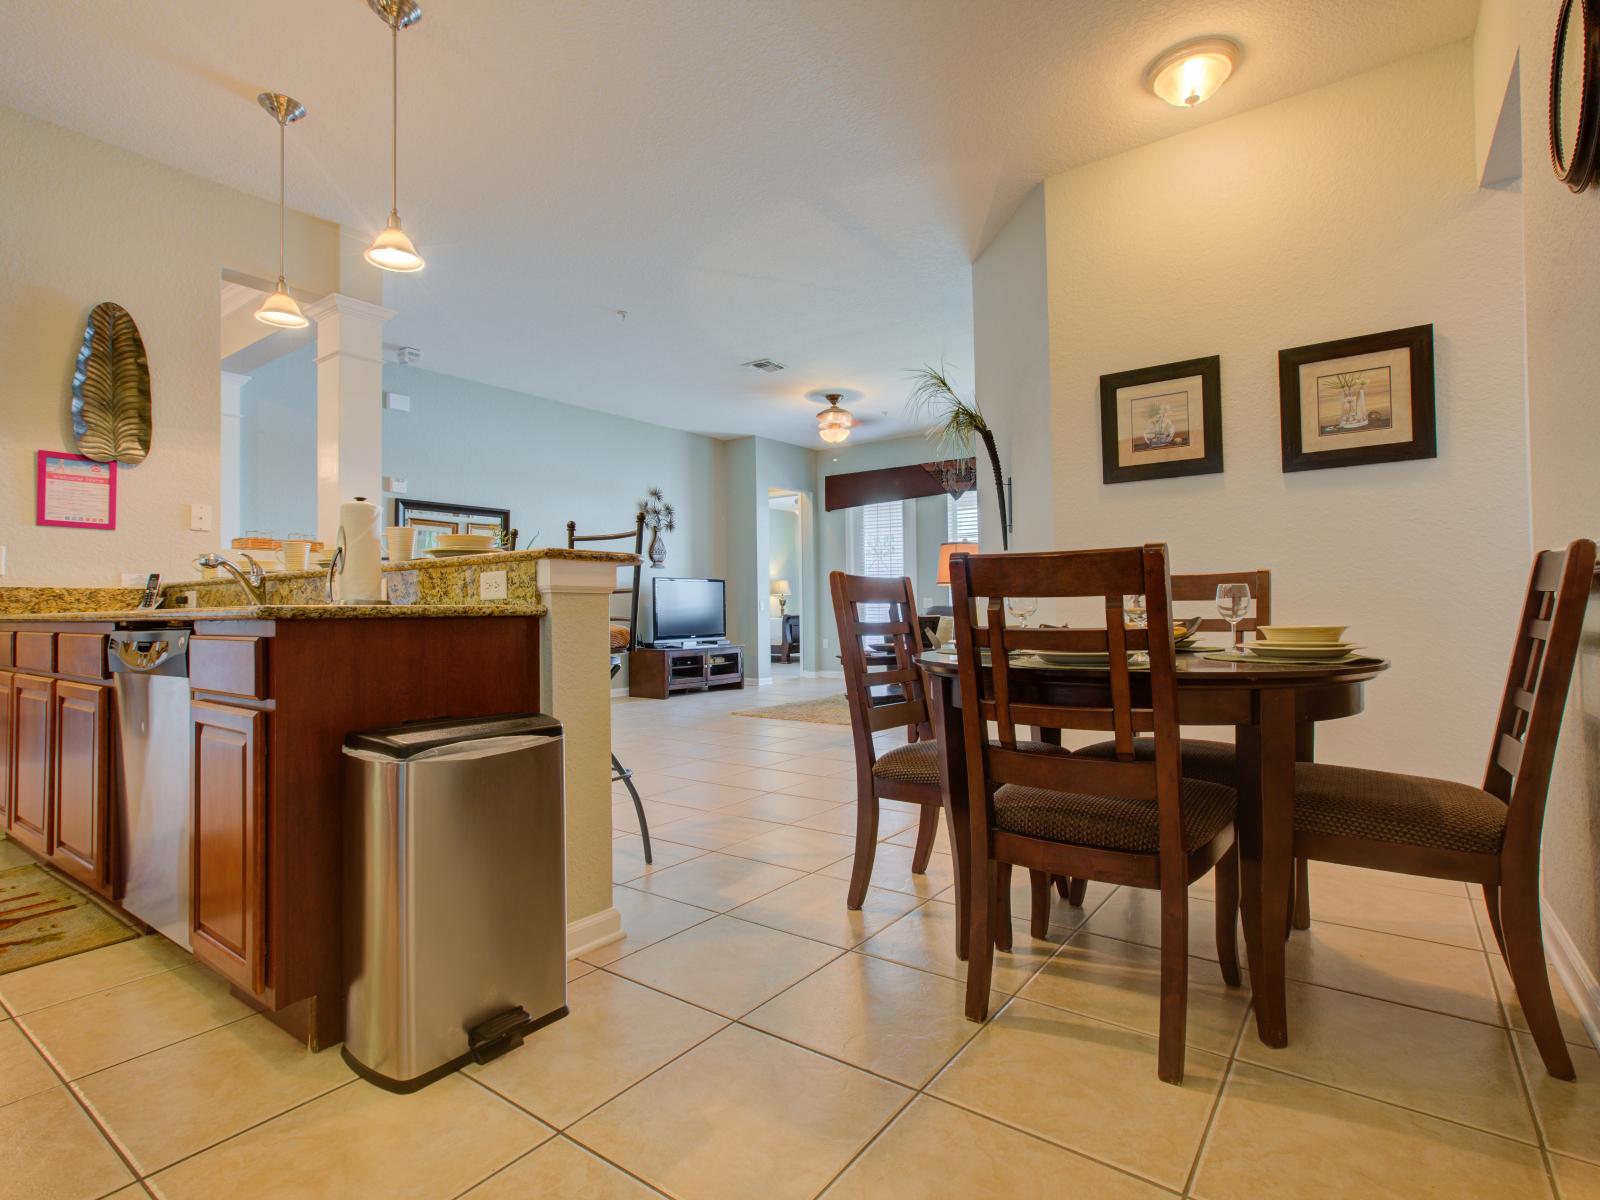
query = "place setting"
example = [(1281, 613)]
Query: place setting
[(1296, 645)]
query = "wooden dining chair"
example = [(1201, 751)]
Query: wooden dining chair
[(1489, 835), (909, 773), (1123, 820)]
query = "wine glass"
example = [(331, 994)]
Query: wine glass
[(1135, 614), (1233, 605), (1022, 607)]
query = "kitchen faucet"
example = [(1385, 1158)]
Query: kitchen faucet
[(252, 581)]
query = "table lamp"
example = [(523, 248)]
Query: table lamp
[(946, 549), (780, 589)]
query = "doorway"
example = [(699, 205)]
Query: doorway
[(785, 581)]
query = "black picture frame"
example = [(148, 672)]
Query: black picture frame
[(436, 513), (1417, 341), (1209, 369)]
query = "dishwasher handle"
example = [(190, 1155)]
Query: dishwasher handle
[(149, 652)]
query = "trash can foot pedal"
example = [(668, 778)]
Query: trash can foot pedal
[(499, 1033)]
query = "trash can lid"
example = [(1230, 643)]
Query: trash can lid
[(407, 741)]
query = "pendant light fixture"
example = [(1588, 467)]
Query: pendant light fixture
[(392, 249), (834, 423), (279, 309)]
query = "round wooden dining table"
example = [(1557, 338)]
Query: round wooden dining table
[(1274, 709)]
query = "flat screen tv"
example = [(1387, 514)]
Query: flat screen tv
[(689, 610)]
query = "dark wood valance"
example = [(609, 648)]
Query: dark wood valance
[(854, 488)]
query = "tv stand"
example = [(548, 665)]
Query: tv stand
[(656, 673)]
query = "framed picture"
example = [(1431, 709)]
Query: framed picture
[(1162, 422), (431, 518), (75, 492), (1358, 400)]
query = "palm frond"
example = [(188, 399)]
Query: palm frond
[(956, 422)]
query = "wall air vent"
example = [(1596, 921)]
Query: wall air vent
[(767, 365)]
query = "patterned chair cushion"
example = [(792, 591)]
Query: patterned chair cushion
[(1410, 809), (918, 762), (620, 637), (915, 762), (1211, 761), (1108, 822)]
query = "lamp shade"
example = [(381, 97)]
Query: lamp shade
[(392, 249), (280, 310), (946, 549), (780, 587)]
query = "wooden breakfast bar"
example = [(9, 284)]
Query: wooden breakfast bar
[(1274, 710)]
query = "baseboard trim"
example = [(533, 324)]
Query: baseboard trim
[(592, 932), (1574, 973), (621, 691), (823, 674)]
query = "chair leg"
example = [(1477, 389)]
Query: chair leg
[(866, 847), (1524, 941), (980, 939), (1040, 917), (1002, 906), (1227, 893), (620, 772), (927, 831), (1076, 893), (1302, 894), (1063, 885), (1491, 901), (1174, 984)]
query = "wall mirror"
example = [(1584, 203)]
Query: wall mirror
[(1575, 94), (111, 389), (431, 518)]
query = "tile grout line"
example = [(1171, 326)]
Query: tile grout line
[(1216, 1103)]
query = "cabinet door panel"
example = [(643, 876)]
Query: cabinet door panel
[(33, 719), (228, 924), (7, 734), (82, 780)]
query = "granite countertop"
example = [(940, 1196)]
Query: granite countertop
[(504, 556), (284, 612)]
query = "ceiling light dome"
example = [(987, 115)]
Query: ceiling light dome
[(834, 423), (1190, 74)]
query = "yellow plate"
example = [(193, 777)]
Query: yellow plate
[(1319, 634)]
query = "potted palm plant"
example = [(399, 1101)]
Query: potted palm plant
[(659, 516), (956, 424)]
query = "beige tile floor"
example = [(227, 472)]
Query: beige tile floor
[(752, 1038)]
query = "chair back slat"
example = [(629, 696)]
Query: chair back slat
[(1139, 701), (1191, 589), (1542, 661), (636, 536), (872, 710), (1074, 641)]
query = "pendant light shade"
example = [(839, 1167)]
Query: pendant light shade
[(280, 309), (834, 423), (392, 250)]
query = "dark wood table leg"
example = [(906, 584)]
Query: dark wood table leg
[(945, 717), (1266, 843)]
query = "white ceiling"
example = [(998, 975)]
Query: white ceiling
[(802, 179)]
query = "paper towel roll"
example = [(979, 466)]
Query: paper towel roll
[(361, 580)]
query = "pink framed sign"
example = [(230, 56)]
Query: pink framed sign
[(76, 492)]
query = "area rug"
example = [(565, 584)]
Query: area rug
[(43, 918), (831, 710)]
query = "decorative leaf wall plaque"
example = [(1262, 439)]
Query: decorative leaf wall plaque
[(111, 389)]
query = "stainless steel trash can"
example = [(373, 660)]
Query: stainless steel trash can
[(455, 893)]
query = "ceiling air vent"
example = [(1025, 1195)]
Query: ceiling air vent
[(767, 365)]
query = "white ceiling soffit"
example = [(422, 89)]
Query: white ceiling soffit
[(746, 178)]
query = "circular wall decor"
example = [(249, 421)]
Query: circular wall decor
[(1575, 94)]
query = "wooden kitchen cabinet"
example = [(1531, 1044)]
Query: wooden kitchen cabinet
[(33, 735), (5, 746), (81, 788), (229, 919)]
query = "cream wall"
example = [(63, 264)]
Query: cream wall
[(1561, 240), (1247, 236), (82, 222)]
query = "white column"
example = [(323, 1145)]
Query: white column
[(349, 405), (575, 688), (229, 517)]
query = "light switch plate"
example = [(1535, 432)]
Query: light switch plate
[(200, 518), (492, 585)]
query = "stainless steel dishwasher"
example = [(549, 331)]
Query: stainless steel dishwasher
[(150, 668)]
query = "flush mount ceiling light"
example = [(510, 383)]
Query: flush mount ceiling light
[(1190, 74), (833, 423), (279, 309), (392, 249)]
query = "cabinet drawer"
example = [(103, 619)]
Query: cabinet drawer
[(36, 652), (81, 654), (228, 666)]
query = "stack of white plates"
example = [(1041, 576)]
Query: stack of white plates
[(447, 545), (1301, 643)]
